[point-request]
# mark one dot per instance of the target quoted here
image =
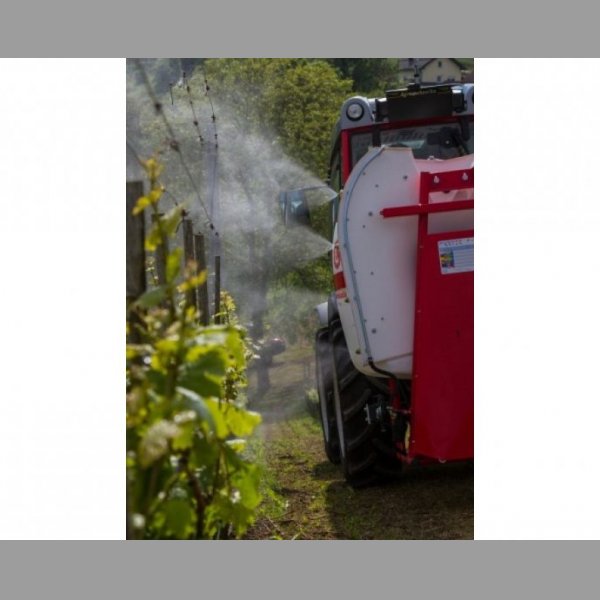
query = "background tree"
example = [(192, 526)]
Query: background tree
[(370, 76), (279, 115)]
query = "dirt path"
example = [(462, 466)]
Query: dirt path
[(307, 498)]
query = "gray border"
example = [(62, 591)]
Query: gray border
[(295, 569), (64, 28)]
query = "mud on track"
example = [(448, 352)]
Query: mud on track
[(306, 497)]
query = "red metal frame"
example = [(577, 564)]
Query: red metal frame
[(442, 388)]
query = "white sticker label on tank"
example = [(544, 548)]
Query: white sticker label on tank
[(456, 256)]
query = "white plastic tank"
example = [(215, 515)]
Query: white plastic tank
[(378, 255)]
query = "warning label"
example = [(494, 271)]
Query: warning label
[(456, 256)]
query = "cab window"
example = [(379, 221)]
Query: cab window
[(439, 140)]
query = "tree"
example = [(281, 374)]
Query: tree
[(276, 110), (370, 76), (304, 106)]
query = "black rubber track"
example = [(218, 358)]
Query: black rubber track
[(367, 453), (324, 368)]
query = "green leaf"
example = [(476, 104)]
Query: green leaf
[(193, 282), (185, 438), (195, 402), (171, 220), (235, 346), (167, 346), (157, 380), (155, 195), (214, 518), (153, 239), (205, 454), (179, 517), (241, 422), (247, 481), (141, 204), (173, 264), (227, 339), (186, 423), (203, 382), (205, 375), (152, 297), (153, 168), (201, 348), (216, 410), (242, 517), (238, 507), (167, 224)]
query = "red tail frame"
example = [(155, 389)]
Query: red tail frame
[(442, 385)]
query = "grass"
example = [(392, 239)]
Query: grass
[(305, 497)]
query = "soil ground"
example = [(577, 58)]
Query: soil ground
[(306, 497)]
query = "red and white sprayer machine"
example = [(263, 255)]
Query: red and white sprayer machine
[(395, 348)]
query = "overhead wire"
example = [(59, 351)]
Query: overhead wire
[(173, 142), (212, 108), (216, 141), (186, 85)]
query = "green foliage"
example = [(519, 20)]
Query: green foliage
[(187, 473), (305, 105), (370, 76), (235, 378), (294, 296), (467, 63), (297, 100)]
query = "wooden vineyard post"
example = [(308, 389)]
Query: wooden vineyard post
[(203, 289), (160, 259), (135, 255), (136, 271), (188, 255), (217, 289)]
